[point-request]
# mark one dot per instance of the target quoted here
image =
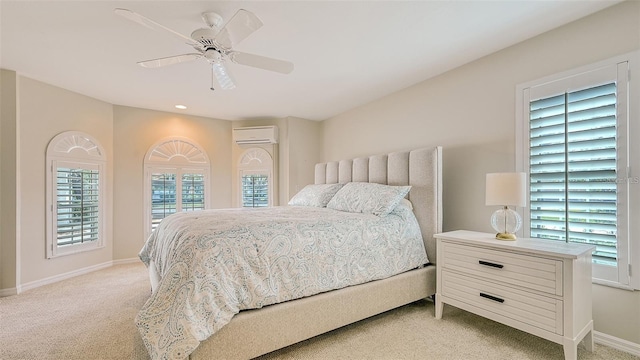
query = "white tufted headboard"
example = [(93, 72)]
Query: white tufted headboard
[(420, 168)]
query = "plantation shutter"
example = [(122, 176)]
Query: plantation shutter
[(75, 194), (77, 204), (573, 169), (577, 144), (192, 191), (163, 196), (255, 190), (176, 180)]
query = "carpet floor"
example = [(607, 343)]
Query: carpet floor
[(91, 317)]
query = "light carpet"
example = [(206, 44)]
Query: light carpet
[(91, 317)]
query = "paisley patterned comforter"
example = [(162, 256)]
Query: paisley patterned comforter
[(214, 263)]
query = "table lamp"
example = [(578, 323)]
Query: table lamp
[(506, 189)]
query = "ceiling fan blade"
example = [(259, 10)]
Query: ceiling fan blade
[(241, 25), (156, 63), (135, 17), (257, 61)]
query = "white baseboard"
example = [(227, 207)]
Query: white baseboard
[(74, 273), (53, 279), (126, 261), (8, 292), (616, 343)]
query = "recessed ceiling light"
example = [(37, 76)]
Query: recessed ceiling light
[(181, 107)]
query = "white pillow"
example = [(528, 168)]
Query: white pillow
[(368, 198), (317, 195)]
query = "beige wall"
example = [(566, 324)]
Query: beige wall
[(135, 131), (45, 111), (304, 152), (8, 183), (470, 111)]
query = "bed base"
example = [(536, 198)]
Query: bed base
[(256, 332)]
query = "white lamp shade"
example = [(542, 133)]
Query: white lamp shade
[(506, 189)]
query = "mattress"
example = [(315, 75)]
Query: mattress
[(215, 263)]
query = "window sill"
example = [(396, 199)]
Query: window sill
[(76, 249), (612, 284)]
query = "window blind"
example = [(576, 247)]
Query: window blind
[(255, 190), (573, 164), (163, 197), (77, 207), (192, 192)]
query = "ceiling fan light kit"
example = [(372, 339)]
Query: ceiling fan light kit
[(223, 76), (215, 44)]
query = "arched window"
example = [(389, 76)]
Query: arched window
[(76, 173), (256, 178), (176, 179)]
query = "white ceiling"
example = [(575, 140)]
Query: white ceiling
[(346, 53)]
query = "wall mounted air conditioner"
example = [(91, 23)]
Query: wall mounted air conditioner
[(256, 135)]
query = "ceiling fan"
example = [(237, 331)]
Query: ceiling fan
[(215, 44)]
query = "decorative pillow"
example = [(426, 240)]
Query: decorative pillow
[(317, 195), (368, 198)]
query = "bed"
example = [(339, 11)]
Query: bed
[(293, 318)]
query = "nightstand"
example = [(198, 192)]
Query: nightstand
[(539, 286)]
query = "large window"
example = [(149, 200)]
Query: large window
[(575, 146), (75, 194), (176, 173), (256, 181)]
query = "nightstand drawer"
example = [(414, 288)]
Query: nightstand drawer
[(534, 310), (530, 272)]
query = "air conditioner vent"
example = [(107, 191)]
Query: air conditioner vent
[(256, 135)]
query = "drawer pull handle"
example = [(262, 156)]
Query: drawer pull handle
[(486, 263), (492, 297)]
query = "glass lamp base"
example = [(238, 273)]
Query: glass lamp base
[(506, 223)]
